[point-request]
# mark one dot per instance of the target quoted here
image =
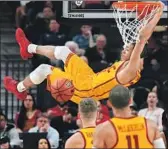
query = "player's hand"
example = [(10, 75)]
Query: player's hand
[(162, 5), (160, 11), (146, 31)]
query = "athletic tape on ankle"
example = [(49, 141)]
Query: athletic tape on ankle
[(21, 87)]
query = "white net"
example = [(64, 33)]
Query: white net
[(133, 20)]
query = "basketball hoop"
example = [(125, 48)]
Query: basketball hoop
[(141, 12)]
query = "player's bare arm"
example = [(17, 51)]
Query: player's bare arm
[(75, 141), (154, 135), (98, 139), (130, 71), (105, 136)]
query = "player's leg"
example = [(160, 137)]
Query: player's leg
[(130, 71), (35, 77), (75, 64), (27, 49)]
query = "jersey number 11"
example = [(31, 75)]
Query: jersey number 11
[(129, 141)]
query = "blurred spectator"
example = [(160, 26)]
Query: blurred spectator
[(5, 143), (153, 112), (39, 25), (98, 56), (44, 144), (27, 116), (26, 13), (53, 37), (8, 130), (43, 125), (97, 53), (155, 65), (66, 122), (45, 17), (152, 65), (47, 13), (165, 125), (20, 13), (33, 8), (157, 54), (74, 48), (103, 113), (58, 110), (49, 4), (164, 39), (134, 109), (85, 39)]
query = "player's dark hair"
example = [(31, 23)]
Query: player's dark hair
[(120, 97)]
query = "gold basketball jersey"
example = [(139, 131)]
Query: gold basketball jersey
[(87, 134), (131, 133)]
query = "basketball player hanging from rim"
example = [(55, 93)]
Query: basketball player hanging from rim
[(86, 82)]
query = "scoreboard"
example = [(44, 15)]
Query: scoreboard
[(73, 9)]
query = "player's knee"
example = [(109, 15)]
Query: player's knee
[(40, 73), (59, 49), (64, 48), (44, 67)]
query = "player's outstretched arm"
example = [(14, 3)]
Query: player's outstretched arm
[(134, 64), (144, 35), (147, 30)]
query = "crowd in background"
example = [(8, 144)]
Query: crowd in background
[(42, 25)]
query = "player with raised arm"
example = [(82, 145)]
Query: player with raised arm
[(84, 137), (86, 82), (125, 130)]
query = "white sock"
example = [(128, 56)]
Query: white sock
[(62, 52), (32, 48), (21, 87)]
